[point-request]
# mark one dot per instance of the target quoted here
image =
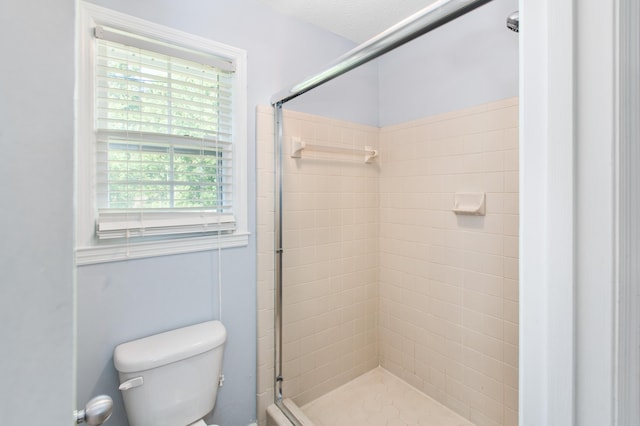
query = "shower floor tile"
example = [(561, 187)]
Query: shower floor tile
[(379, 398)]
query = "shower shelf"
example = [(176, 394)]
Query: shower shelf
[(298, 145), (469, 203)]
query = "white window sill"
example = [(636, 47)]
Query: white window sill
[(142, 249)]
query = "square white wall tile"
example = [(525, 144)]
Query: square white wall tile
[(379, 270)]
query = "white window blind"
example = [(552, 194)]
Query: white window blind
[(164, 139)]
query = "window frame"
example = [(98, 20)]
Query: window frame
[(89, 249)]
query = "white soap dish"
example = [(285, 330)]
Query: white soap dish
[(469, 203)]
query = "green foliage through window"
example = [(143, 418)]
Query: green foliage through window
[(165, 131), (159, 177)]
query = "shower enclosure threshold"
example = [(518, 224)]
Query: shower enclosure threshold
[(375, 398)]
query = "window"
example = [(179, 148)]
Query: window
[(161, 139)]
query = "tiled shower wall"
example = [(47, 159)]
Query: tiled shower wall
[(379, 270), (265, 269), (330, 259), (448, 283)]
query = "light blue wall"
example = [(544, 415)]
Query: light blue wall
[(36, 231), (469, 61), (121, 301), (124, 300), (349, 97)]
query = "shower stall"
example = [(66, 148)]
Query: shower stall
[(388, 258)]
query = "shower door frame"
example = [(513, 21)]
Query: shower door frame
[(416, 25)]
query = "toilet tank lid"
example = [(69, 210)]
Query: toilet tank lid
[(171, 346)]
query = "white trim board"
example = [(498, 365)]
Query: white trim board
[(628, 214), (139, 250), (573, 201), (546, 214)]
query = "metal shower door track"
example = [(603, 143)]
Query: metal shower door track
[(421, 22)]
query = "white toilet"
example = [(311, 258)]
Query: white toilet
[(172, 378)]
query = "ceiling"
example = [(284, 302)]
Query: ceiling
[(356, 20)]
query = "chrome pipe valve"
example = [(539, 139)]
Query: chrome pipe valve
[(96, 412)]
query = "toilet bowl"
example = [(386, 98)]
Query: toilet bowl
[(171, 378), (200, 423)]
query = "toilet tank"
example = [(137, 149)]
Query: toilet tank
[(171, 379)]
